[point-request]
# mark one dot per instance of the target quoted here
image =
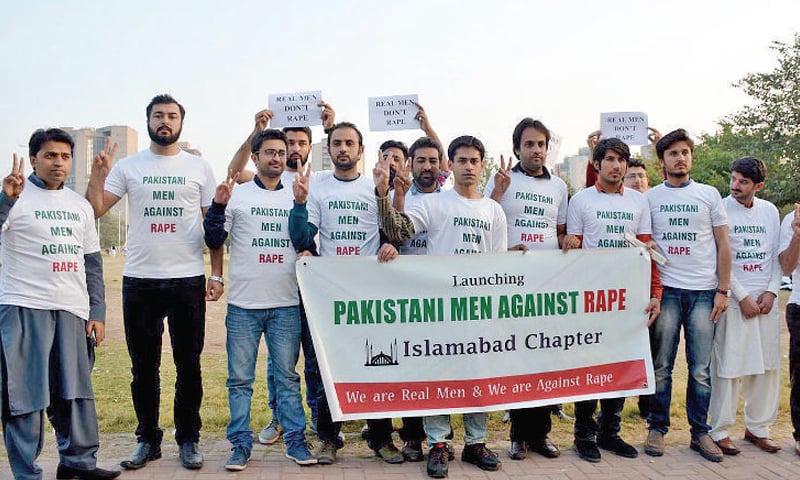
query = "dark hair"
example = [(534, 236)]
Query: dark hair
[(395, 144), (268, 134), (162, 99), (306, 130), (465, 141), (750, 167), (41, 136), (525, 123), (425, 142), (635, 162), (345, 125), (614, 144), (674, 136)]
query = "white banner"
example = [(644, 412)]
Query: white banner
[(298, 109), (630, 127), (396, 112), (426, 335)]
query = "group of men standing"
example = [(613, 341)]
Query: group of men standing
[(52, 306)]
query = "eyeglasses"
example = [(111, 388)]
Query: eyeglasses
[(271, 153)]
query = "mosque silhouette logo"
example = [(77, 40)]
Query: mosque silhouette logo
[(380, 359)]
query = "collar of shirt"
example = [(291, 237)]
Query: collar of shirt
[(545, 175), (40, 183), (685, 184), (414, 190), (261, 184), (621, 189)]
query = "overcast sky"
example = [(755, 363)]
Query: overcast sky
[(478, 67)]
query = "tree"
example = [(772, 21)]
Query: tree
[(769, 129)]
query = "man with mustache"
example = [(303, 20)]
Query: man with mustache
[(298, 144), (690, 227), (747, 344), (595, 219), (535, 203), (169, 191), (343, 209)]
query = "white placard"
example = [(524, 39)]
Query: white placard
[(299, 109), (553, 149), (630, 127), (396, 112)]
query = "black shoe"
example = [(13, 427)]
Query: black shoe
[(518, 450), (144, 453), (545, 448), (587, 450), (478, 454), (616, 444), (438, 458), (412, 451), (191, 457), (65, 472)]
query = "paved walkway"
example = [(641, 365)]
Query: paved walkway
[(357, 463)]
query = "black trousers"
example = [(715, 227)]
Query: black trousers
[(145, 304), (380, 431), (530, 424), (793, 324), (607, 424)]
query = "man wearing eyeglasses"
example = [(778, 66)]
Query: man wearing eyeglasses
[(263, 298)]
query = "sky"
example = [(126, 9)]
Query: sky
[(478, 67)]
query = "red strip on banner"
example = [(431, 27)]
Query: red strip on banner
[(480, 392)]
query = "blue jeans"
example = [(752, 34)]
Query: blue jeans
[(437, 428), (281, 328), (310, 371), (690, 309)]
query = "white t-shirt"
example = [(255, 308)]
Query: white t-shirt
[(288, 178), (534, 208), (418, 244), (786, 238), (346, 214), (458, 225), (45, 237), (754, 235), (683, 219), (166, 195), (603, 218), (262, 258)]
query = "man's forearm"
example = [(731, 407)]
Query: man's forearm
[(397, 227), (93, 267)]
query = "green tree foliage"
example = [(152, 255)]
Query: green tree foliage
[(110, 231), (768, 128)]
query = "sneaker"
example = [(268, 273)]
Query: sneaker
[(654, 445), (271, 433), (412, 451), (616, 444), (587, 450), (301, 455), (438, 458), (326, 453), (238, 459), (706, 447), (390, 454), (478, 454)]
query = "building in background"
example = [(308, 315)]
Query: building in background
[(573, 169)]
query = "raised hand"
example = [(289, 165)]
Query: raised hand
[(328, 115), (591, 141), (15, 181), (301, 182), (262, 119), (654, 136), (104, 160), (796, 220), (424, 123), (224, 189), (402, 179), (502, 179), (380, 174)]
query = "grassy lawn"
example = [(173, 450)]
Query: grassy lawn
[(112, 384)]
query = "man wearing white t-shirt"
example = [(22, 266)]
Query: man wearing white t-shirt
[(256, 216), (52, 313), (690, 227), (598, 217), (535, 203), (458, 221), (169, 191), (343, 210), (789, 256), (298, 141), (747, 346)]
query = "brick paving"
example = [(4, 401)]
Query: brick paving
[(358, 463)]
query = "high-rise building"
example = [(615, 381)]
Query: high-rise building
[(573, 168)]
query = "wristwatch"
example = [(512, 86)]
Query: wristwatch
[(719, 290), (217, 278)]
